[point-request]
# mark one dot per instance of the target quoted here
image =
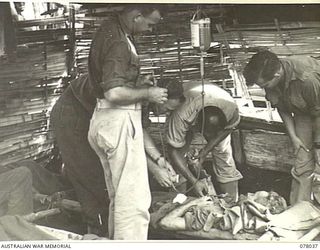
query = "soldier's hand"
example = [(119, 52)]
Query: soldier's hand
[(163, 163), (163, 178), (298, 144), (200, 188), (145, 80), (317, 155), (157, 95)]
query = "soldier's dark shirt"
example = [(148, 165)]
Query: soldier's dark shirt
[(112, 62), (299, 92)]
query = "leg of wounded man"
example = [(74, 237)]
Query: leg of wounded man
[(16, 192)]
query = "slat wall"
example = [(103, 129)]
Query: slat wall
[(282, 38), (30, 81)]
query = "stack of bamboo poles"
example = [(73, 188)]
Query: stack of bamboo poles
[(284, 39), (29, 84)]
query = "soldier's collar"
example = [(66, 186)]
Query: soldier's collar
[(288, 72), (124, 26)]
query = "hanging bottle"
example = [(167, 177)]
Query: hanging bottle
[(200, 31)]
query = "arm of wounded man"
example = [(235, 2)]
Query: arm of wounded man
[(191, 216), (175, 219)]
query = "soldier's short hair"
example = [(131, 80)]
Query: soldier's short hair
[(174, 87), (263, 64), (145, 9)]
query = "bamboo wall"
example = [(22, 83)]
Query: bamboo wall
[(30, 80), (2, 44), (282, 38)]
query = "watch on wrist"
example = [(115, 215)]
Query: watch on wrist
[(157, 159)]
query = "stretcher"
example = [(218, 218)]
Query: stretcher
[(300, 222), (213, 234), (156, 232)]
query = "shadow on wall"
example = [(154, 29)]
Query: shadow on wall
[(255, 179)]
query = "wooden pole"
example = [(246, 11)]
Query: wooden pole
[(72, 41), (9, 32), (2, 44), (179, 60)]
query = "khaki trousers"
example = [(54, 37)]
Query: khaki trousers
[(304, 165), (223, 164)]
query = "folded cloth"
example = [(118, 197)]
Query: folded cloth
[(209, 222), (287, 235), (302, 216), (249, 216), (196, 217), (232, 220), (236, 219), (295, 222)]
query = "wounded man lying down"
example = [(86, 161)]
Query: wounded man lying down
[(249, 214)]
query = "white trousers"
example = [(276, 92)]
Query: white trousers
[(117, 137)]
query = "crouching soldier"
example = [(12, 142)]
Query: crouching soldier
[(292, 85), (186, 121)]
